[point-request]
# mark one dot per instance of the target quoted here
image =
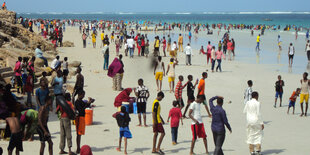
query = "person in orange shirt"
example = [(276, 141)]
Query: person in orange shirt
[(201, 91), (293, 98), (180, 43), (3, 6)]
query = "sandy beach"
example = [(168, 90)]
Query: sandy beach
[(284, 134)]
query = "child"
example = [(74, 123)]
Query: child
[(29, 89), (295, 94), (123, 120), (147, 50), (43, 78), (248, 92), (142, 94), (197, 126), (65, 127), (80, 106), (42, 126), (175, 114), (65, 69), (16, 140), (190, 93), (178, 91)]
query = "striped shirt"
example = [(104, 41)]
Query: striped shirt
[(142, 94), (178, 90)]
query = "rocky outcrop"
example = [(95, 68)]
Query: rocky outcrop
[(75, 64), (8, 16), (68, 44)]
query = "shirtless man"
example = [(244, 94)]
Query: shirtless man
[(79, 84), (16, 140), (42, 126)]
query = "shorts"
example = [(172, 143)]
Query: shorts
[(65, 72), (156, 49), (124, 132), (40, 131), (279, 94), (304, 97), (181, 103), (80, 125), (159, 128), (141, 107), (198, 131), (159, 76), (291, 56), (190, 100), (291, 104), (171, 79), (16, 141)]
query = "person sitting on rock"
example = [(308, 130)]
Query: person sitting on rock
[(39, 54)]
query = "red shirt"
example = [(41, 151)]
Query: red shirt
[(18, 68), (293, 98), (63, 113), (178, 90), (176, 115), (229, 46)]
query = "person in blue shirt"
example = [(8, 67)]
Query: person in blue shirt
[(41, 94), (219, 119), (39, 54)]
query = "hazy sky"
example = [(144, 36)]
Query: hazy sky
[(156, 5)]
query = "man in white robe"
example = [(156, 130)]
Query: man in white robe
[(255, 125)]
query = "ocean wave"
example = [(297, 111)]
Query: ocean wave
[(126, 13), (183, 13)]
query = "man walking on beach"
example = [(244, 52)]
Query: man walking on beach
[(189, 54), (180, 43), (248, 92), (291, 52), (255, 125), (279, 90), (258, 41), (219, 119), (201, 91), (304, 95), (158, 124), (159, 72)]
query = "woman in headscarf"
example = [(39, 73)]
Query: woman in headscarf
[(116, 70), (124, 96)]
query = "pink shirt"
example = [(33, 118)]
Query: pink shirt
[(219, 55), (209, 48), (18, 69), (176, 115), (229, 46)]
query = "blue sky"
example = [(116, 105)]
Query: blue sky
[(84, 6)]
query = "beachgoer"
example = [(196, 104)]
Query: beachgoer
[(197, 126), (174, 49), (65, 69), (292, 100), (142, 94), (180, 43), (279, 42), (201, 91), (178, 92), (16, 140), (171, 73), (93, 36), (219, 54), (213, 57), (279, 90), (219, 119), (158, 123), (29, 123), (229, 49), (156, 46), (84, 37), (307, 49), (41, 94), (147, 50), (106, 53), (169, 44), (79, 83), (18, 74), (258, 42), (123, 120), (248, 92), (164, 46), (159, 72), (304, 94), (131, 44), (117, 45), (42, 129), (255, 124), (190, 93), (176, 115), (291, 52), (65, 127), (56, 63), (209, 49), (189, 53)]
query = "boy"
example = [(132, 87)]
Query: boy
[(44, 74), (158, 123), (18, 74), (29, 89), (142, 94), (16, 135), (178, 92), (201, 91), (248, 92), (279, 90), (65, 69), (42, 126), (159, 72), (41, 94), (123, 120), (79, 84), (80, 106), (190, 93), (197, 126), (65, 127), (293, 98), (175, 114)]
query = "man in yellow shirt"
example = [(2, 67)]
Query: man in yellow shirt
[(180, 42), (102, 38), (157, 123), (258, 41)]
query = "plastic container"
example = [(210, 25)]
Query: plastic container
[(88, 116), (126, 104)]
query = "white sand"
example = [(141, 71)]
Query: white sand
[(284, 134)]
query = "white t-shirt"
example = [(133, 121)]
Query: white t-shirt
[(308, 47), (142, 93), (188, 50), (130, 43), (292, 50), (53, 64), (196, 111), (173, 47)]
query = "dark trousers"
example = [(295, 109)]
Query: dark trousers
[(219, 138), (308, 55), (143, 49), (219, 65), (213, 64), (174, 133), (106, 62), (84, 43)]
